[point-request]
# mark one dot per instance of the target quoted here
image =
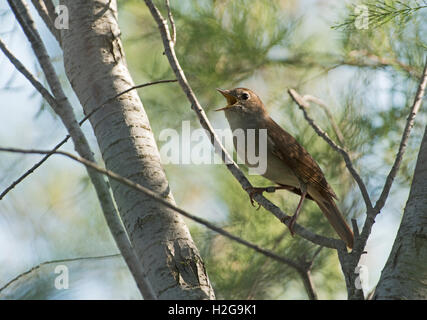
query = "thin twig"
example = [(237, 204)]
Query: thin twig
[(370, 219), (47, 17), (53, 262), (60, 144), (306, 275), (316, 253), (356, 231), (350, 261), (404, 141), (308, 284), (172, 22), (27, 74), (160, 199), (219, 148), (328, 112), (373, 60), (260, 274), (304, 106)]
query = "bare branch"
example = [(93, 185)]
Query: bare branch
[(404, 141), (50, 9), (328, 112), (309, 285), (27, 74), (33, 269), (370, 219), (355, 228), (350, 261), (363, 58), (47, 16), (172, 22), (60, 144), (261, 274), (219, 148), (304, 106), (160, 199)]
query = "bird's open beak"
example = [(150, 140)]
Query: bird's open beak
[(231, 100)]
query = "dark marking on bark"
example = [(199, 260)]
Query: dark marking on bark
[(396, 254)]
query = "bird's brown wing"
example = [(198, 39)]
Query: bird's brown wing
[(287, 148)]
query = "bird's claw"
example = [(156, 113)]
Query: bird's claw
[(253, 192), (289, 224)]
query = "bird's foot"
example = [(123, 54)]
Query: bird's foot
[(293, 219), (289, 222), (291, 225), (253, 191)]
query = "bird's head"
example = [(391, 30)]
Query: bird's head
[(242, 101)]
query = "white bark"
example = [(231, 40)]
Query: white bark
[(405, 273), (96, 67)]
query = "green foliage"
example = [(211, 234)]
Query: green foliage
[(236, 37), (381, 12)]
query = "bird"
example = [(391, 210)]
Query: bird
[(289, 165)]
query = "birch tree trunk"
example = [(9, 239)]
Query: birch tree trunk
[(95, 65), (405, 273)]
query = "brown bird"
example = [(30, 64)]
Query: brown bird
[(289, 165)]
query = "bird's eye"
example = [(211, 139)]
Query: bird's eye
[(245, 96)]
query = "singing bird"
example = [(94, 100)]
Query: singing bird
[(289, 165)]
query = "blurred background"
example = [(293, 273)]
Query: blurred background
[(366, 77)]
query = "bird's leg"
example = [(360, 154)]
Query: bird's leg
[(303, 188), (259, 190)]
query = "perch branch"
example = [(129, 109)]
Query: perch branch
[(160, 199)]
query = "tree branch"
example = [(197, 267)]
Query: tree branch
[(404, 141), (303, 105), (33, 269), (172, 22), (363, 58), (371, 214), (160, 199), (349, 261), (48, 16), (60, 144), (328, 112), (27, 74), (308, 284)]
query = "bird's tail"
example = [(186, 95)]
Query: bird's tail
[(336, 219)]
